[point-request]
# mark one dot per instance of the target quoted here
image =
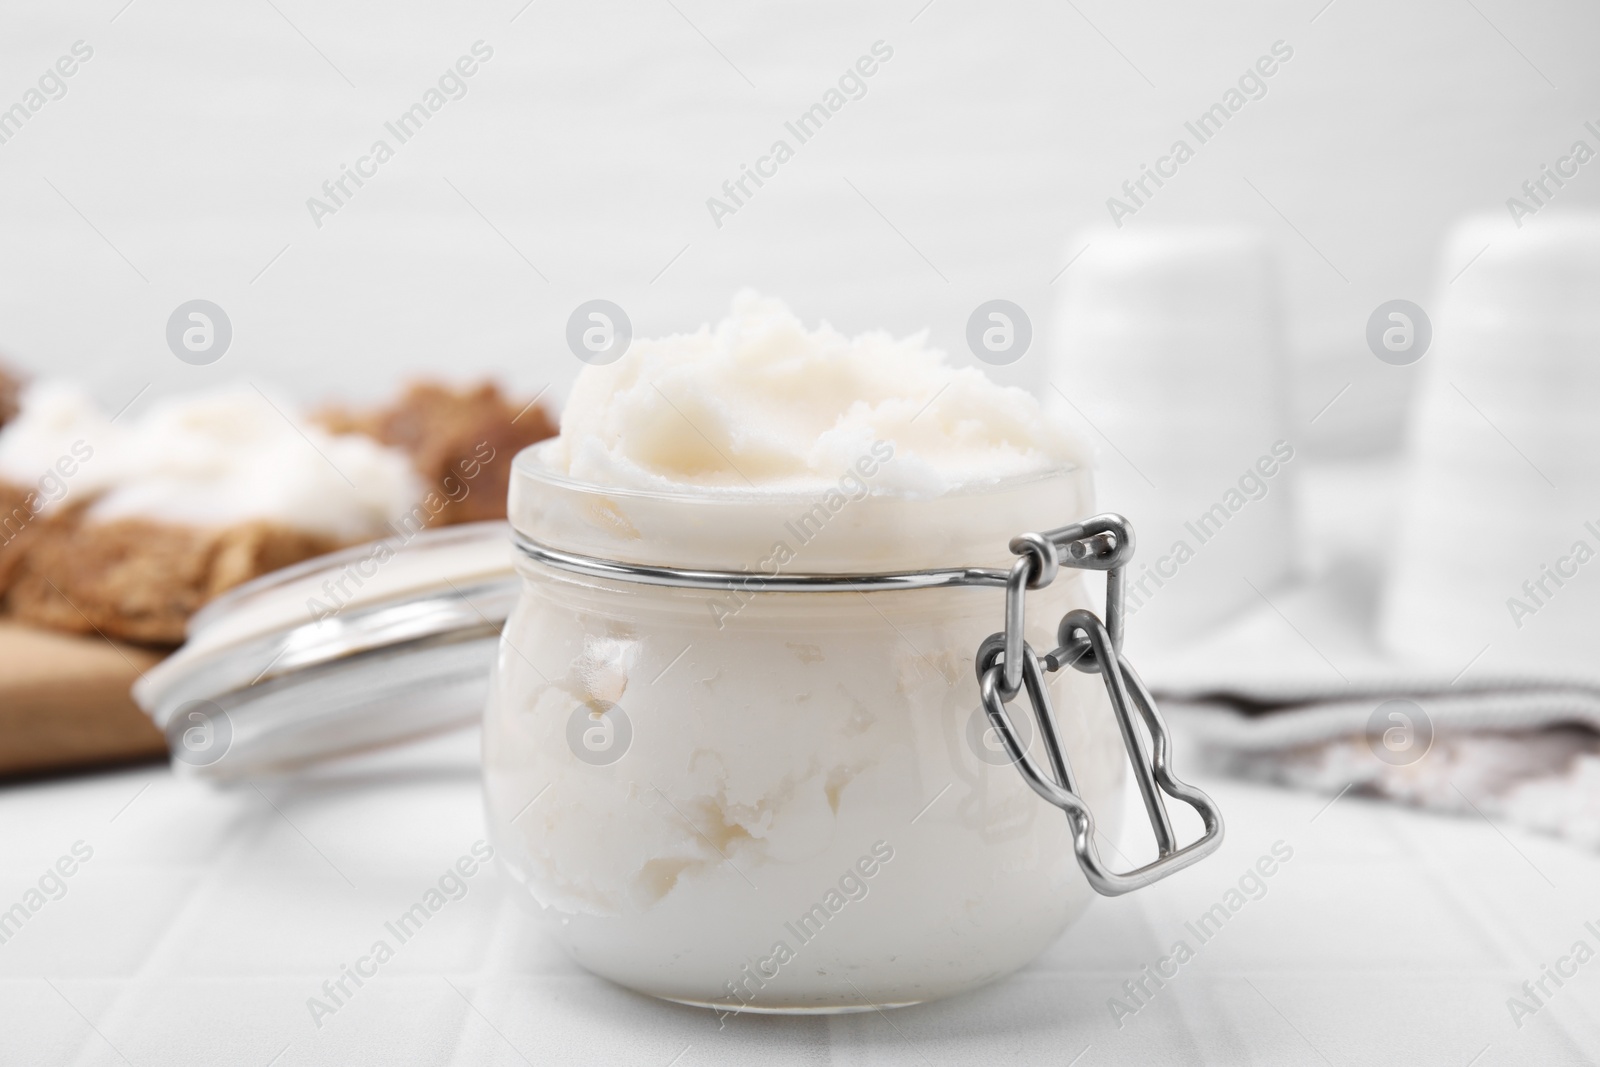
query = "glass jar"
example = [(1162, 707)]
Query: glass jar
[(784, 801)]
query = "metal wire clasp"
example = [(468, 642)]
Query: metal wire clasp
[(1007, 667)]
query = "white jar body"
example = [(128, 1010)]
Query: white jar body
[(798, 806)]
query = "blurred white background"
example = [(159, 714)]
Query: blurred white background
[(179, 162)]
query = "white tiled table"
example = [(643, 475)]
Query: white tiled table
[(205, 919)]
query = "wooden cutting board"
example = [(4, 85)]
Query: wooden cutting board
[(64, 702)]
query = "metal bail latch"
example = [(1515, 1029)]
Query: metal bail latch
[(1007, 666)]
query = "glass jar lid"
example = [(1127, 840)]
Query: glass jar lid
[(364, 647)]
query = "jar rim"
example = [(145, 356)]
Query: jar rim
[(831, 529), (530, 464)]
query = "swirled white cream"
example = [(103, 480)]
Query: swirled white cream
[(60, 444), (233, 455), (206, 459), (761, 401)]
